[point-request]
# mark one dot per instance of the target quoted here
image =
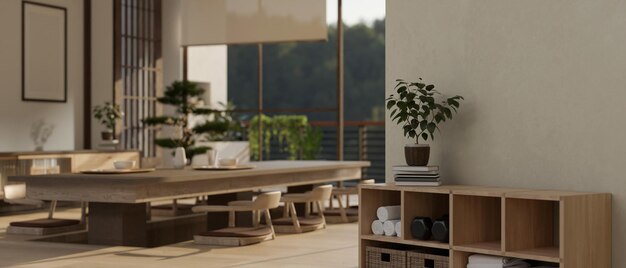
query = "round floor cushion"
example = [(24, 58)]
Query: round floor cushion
[(337, 212), (303, 221), (45, 223), (239, 232)]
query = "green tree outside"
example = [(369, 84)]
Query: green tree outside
[(304, 75)]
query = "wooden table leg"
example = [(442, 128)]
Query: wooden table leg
[(128, 225), (117, 224)]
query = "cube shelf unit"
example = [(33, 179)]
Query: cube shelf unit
[(563, 229)]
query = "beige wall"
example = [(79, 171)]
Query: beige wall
[(101, 61), (172, 52), (208, 65), (16, 116), (544, 83)]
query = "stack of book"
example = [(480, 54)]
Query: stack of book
[(416, 175)]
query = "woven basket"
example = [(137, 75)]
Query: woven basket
[(421, 260), (385, 258)]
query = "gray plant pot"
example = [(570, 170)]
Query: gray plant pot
[(417, 154), (107, 135)]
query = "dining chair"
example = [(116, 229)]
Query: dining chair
[(241, 236), (16, 194), (292, 223)]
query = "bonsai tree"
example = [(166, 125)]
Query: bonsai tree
[(183, 95), (223, 126), (107, 115), (420, 109)]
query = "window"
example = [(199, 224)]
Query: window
[(138, 70)]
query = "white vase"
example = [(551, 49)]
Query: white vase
[(180, 158)]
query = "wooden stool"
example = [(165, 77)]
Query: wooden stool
[(241, 236), (16, 194), (291, 223)]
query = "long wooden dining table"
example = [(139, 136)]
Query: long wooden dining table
[(118, 203)]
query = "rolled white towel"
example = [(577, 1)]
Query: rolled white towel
[(377, 227), (483, 265), (486, 261), (390, 227), (388, 213), (399, 228), (493, 265)]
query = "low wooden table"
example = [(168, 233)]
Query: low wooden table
[(118, 203)]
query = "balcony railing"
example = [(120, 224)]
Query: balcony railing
[(363, 140)]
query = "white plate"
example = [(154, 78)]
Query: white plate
[(117, 171), (237, 167)]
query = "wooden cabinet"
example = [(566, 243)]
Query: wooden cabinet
[(561, 229), (101, 160), (60, 162)]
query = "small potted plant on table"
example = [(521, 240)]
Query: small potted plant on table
[(107, 115), (419, 109)]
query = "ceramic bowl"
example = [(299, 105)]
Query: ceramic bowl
[(124, 164), (228, 162)]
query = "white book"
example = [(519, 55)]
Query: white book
[(416, 175), (407, 183), (434, 172), (415, 168), (415, 179)]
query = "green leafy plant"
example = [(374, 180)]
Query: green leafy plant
[(107, 114), (253, 135), (184, 96), (311, 142), (293, 132), (416, 109)]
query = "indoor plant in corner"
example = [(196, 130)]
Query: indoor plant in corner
[(419, 109), (107, 115)]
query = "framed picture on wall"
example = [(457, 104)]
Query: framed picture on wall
[(44, 52)]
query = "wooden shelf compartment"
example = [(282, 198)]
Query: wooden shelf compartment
[(413, 242), (423, 204), (460, 259), (374, 198), (376, 241), (489, 248), (476, 222), (547, 254), (532, 229)]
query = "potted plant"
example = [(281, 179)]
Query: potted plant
[(184, 95), (419, 109), (107, 115)]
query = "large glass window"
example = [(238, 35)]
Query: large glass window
[(301, 78)]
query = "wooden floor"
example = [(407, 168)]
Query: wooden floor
[(335, 246)]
